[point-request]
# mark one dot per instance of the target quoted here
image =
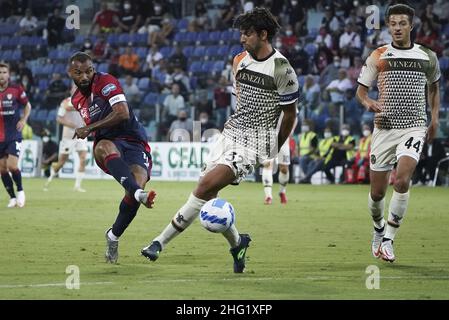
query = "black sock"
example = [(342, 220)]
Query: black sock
[(17, 177), (379, 230), (128, 210), (386, 239), (9, 185), (120, 171)]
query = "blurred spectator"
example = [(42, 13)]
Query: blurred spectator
[(222, 100), (344, 152), (431, 17), (154, 21), (384, 37), (350, 40), (172, 104), (178, 58), (181, 129), (206, 124), (100, 49), (307, 145), (297, 17), (289, 39), (87, 45), (24, 71), (338, 87), (442, 8), (432, 152), (201, 16), (354, 71), (428, 36), (357, 170), (55, 25), (129, 61), (299, 59), (131, 91), (57, 91), (330, 73), (353, 111), (49, 151), (162, 36), (330, 21), (227, 14), (311, 93), (28, 24), (129, 17), (153, 57), (113, 57), (324, 38), (180, 78), (105, 20)]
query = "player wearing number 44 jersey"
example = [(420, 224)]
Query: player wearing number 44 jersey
[(12, 97), (120, 144), (402, 69), (265, 85)]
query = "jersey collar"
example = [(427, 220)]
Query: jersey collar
[(401, 48)]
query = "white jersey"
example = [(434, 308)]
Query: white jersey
[(402, 75), (67, 111), (262, 88)]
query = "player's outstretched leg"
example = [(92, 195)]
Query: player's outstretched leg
[(284, 177), (9, 186), (267, 180)]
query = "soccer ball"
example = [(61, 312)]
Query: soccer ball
[(217, 215)]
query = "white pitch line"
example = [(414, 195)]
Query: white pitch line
[(310, 278)]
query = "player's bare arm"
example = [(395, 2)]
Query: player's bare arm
[(434, 101), (65, 122), (288, 121), (369, 104), (120, 113), (23, 120)]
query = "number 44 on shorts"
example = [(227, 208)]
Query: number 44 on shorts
[(416, 145)]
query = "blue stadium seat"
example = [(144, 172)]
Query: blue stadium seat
[(223, 51), (195, 67), (211, 51), (214, 36), (188, 51), (51, 116), (218, 66), (199, 52), (143, 83), (203, 37), (151, 98), (103, 67), (235, 49), (444, 63), (207, 66), (41, 115), (226, 36), (182, 24), (301, 80), (167, 51), (142, 52), (43, 84)]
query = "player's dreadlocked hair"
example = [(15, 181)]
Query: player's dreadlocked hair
[(80, 56), (400, 9), (259, 19)]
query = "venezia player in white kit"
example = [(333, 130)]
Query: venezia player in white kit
[(70, 118), (402, 69), (264, 85)]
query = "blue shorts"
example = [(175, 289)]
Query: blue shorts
[(132, 153), (10, 147)]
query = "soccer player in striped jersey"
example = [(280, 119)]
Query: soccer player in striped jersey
[(403, 71), (265, 84), (12, 97)]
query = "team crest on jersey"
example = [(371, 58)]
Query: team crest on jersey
[(9, 96), (373, 159), (108, 89)]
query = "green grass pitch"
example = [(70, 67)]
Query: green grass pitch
[(315, 247)]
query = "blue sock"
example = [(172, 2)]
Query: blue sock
[(120, 171), (17, 177), (128, 210), (7, 182)]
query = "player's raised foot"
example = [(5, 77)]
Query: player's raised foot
[(268, 200), (111, 254), (283, 197), (12, 203), (239, 252), (79, 189), (147, 198), (376, 242), (152, 251), (386, 251), (21, 199)]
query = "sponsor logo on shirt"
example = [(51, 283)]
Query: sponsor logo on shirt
[(108, 89)]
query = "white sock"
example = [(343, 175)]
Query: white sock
[(136, 194), (78, 178), (283, 180), (376, 209), (233, 236), (267, 180), (182, 219), (398, 208), (112, 236)]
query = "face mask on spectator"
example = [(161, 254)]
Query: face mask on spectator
[(366, 133), (127, 6), (345, 132), (297, 47), (288, 33), (327, 134), (45, 139), (305, 128), (278, 44), (337, 64), (157, 9), (294, 3), (204, 120)]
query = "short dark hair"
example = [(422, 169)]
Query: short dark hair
[(259, 19), (4, 65), (80, 57), (400, 9)]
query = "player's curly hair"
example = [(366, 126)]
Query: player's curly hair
[(258, 19)]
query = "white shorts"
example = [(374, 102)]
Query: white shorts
[(283, 156), (388, 146), (226, 152), (66, 146)]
